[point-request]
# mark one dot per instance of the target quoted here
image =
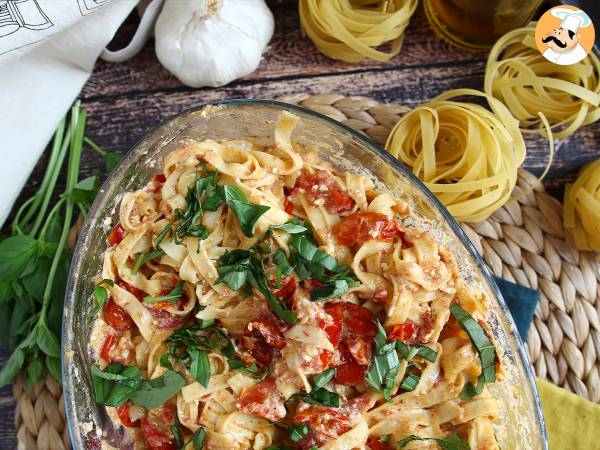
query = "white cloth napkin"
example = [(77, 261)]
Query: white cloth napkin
[(47, 51)]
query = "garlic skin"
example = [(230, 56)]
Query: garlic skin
[(212, 42)]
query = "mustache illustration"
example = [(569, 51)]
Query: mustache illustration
[(556, 41)]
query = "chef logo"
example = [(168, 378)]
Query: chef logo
[(564, 35)]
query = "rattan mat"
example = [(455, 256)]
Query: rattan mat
[(523, 241)]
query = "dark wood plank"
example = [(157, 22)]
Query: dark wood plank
[(8, 439)]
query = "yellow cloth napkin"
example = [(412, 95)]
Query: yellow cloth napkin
[(572, 422)]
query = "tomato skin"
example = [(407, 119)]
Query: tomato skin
[(123, 412), (287, 290), (137, 293), (116, 235), (406, 332), (363, 226), (327, 422), (159, 178), (336, 200), (264, 400), (356, 320), (288, 206), (110, 341), (165, 320), (116, 316), (181, 301), (375, 443), (156, 428), (349, 372), (268, 331)]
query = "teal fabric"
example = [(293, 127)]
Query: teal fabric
[(521, 302)]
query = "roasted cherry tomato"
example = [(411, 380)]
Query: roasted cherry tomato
[(137, 293), (123, 412), (166, 320), (268, 331), (405, 332), (349, 372), (363, 226), (263, 400), (156, 428), (288, 206), (181, 301), (326, 422), (288, 287), (110, 342), (356, 320), (159, 178), (116, 235), (375, 443), (322, 185), (116, 316)]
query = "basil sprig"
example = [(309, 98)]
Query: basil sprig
[(384, 366), (247, 213), (171, 297), (242, 268), (484, 347), (143, 258), (100, 296), (451, 442), (116, 384)]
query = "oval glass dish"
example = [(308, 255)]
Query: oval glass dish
[(521, 424)]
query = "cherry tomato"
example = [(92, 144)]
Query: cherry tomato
[(405, 332), (110, 341), (363, 226), (264, 400), (309, 441), (159, 178), (375, 443), (116, 316), (181, 301), (116, 235), (166, 320), (288, 206), (137, 293), (258, 349), (123, 412), (287, 289), (349, 372), (268, 331), (356, 319), (321, 184), (156, 428), (326, 422)]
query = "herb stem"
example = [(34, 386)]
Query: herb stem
[(94, 146), (16, 228)]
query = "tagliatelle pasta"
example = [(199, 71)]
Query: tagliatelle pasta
[(351, 30), (530, 86), (254, 297)]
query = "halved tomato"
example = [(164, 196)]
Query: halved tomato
[(137, 293), (405, 332), (116, 235), (267, 330), (349, 372), (123, 412), (116, 316), (363, 226), (110, 341), (322, 185), (156, 428), (263, 400), (326, 422)]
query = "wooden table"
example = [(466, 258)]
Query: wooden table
[(124, 101)]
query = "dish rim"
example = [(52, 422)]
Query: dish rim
[(368, 142)]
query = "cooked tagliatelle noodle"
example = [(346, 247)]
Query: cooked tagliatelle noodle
[(351, 30), (255, 297)]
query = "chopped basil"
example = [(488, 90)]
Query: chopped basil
[(384, 437), (247, 213), (321, 379), (278, 447), (153, 393), (308, 251), (321, 396), (297, 432), (410, 382), (163, 234), (200, 366), (283, 266), (100, 296), (451, 442), (292, 227), (197, 438), (408, 352), (484, 347), (116, 384), (337, 288), (384, 365), (143, 258), (171, 297), (241, 268)]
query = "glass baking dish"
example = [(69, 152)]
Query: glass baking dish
[(521, 424)]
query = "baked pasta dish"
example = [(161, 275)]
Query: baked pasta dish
[(254, 297)]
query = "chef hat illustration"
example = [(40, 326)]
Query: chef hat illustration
[(571, 20)]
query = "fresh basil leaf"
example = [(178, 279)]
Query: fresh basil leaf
[(290, 228), (46, 341), (339, 287), (163, 234), (111, 160), (297, 432), (384, 365), (469, 391), (164, 361), (116, 384), (35, 282), (35, 370), (143, 258), (200, 367), (86, 190), (54, 367), (480, 340), (171, 297), (321, 396), (247, 214), (410, 382), (321, 379), (408, 352), (451, 442), (198, 439), (177, 434), (312, 254), (153, 393), (100, 295), (384, 437), (16, 254), (12, 367), (283, 266), (278, 447)]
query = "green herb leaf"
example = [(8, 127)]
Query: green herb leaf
[(339, 287), (408, 352), (16, 254), (171, 297), (312, 254), (384, 365), (283, 266), (143, 258), (451, 442), (12, 367), (54, 367), (163, 234), (291, 227), (321, 379), (198, 438), (116, 384), (278, 447), (153, 393), (200, 367), (297, 432), (483, 345), (321, 396), (247, 213), (410, 382), (86, 190), (35, 371), (46, 340), (100, 296)]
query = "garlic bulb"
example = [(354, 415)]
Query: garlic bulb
[(212, 42)]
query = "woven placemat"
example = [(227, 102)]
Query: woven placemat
[(524, 241)]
